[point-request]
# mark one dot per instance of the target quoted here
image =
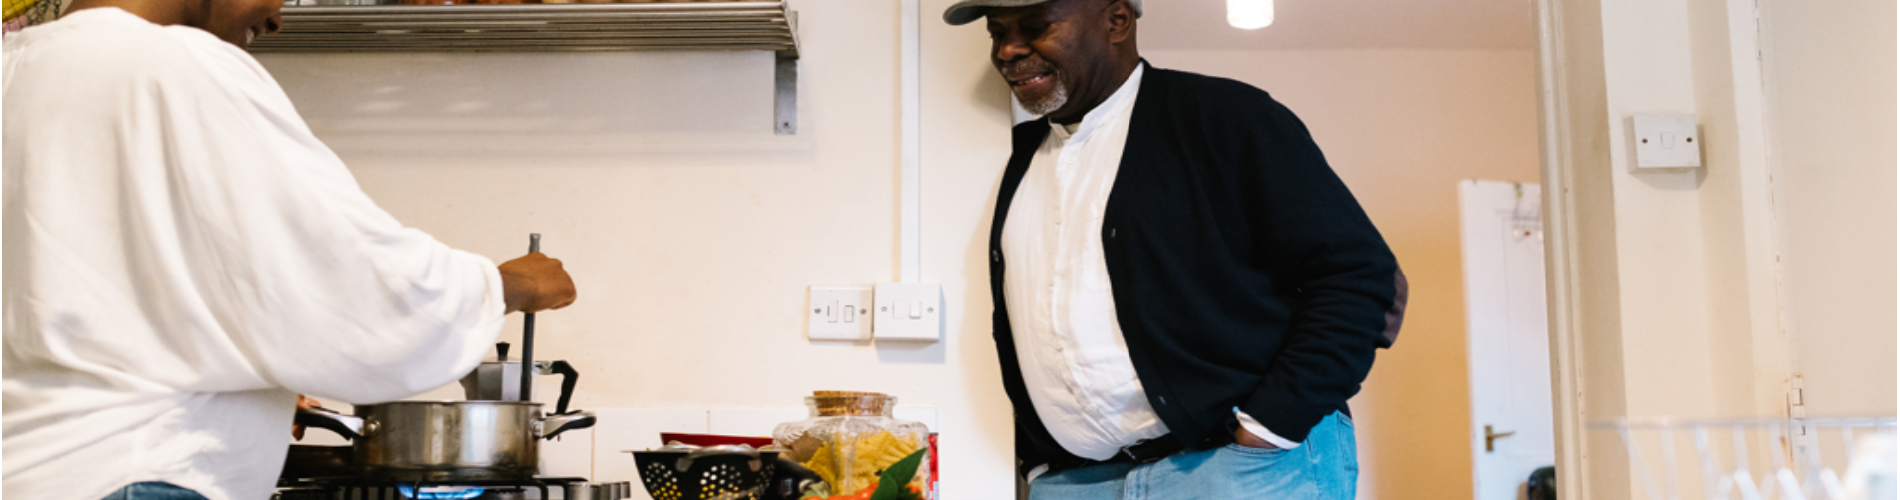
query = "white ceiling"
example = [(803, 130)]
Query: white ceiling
[(1338, 24)]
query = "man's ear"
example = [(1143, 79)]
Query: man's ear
[(1121, 22)]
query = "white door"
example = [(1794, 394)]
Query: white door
[(1508, 339)]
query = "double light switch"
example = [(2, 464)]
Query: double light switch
[(891, 311)]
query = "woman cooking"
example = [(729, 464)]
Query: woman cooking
[(183, 257)]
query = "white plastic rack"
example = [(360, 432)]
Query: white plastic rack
[(1760, 458)]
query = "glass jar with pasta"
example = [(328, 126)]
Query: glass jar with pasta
[(850, 439)]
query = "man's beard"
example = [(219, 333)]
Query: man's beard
[(1049, 103)]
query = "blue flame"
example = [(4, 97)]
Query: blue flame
[(439, 493)]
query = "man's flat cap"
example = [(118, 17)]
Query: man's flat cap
[(970, 10)]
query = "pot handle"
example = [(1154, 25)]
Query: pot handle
[(568, 377), (324, 418), (558, 424)]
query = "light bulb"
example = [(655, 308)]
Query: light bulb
[(1249, 14)]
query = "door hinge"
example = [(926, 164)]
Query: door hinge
[(1797, 405)]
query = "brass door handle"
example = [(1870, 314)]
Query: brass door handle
[(1492, 437)]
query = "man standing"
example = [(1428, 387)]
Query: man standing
[(183, 257), (1186, 295)]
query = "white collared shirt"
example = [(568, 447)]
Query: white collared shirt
[(1074, 360), (183, 257)]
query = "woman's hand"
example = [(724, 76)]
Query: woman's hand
[(534, 283), (296, 431)]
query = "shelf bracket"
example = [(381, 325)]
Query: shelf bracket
[(785, 90)]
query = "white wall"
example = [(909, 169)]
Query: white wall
[(1830, 79), (1697, 293)]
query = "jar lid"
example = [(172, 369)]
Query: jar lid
[(849, 403)]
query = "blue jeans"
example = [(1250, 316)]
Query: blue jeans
[(153, 490), (1325, 467)]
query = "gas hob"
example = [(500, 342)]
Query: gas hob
[(540, 488)]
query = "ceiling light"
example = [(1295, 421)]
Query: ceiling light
[(1249, 14)]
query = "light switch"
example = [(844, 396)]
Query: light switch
[(1666, 141), (915, 312), (833, 312)]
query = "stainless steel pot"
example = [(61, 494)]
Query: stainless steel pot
[(437, 441)]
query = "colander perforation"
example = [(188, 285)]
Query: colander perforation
[(668, 476)]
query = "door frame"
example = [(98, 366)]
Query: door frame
[(1554, 93)]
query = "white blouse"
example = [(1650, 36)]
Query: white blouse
[(183, 256)]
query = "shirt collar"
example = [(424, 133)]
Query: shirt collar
[(1109, 109)]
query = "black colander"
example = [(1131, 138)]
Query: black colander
[(714, 473)]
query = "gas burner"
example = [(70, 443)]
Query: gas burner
[(540, 488)]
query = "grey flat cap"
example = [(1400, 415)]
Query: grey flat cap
[(970, 10)]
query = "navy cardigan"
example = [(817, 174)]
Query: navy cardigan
[(1245, 274)]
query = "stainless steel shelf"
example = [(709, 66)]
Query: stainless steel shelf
[(724, 26), (536, 27)]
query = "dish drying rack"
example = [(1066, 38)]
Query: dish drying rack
[(1761, 458)]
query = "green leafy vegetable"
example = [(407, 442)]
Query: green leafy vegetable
[(890, 485)]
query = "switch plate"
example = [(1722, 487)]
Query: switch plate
[(1666, 141), (911, 312), (838, 313)]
